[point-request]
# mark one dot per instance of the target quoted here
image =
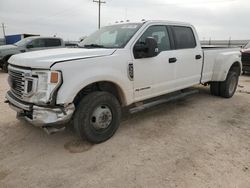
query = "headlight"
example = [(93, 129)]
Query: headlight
[(45, 84)]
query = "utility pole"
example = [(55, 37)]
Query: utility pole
[(99, 11), (3, 26)]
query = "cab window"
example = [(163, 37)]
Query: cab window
[(52, 42), (184, 37), (38, 43)]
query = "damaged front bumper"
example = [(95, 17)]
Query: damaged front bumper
[(40, 116)]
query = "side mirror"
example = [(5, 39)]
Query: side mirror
[(29, 46), (152, 46), (147, 49)]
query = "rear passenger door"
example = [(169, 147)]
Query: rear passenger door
[(189, 57)]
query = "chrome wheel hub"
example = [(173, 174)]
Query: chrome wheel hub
[(101, 117)]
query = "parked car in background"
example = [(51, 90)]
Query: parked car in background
[(245, 58), (27, 45)]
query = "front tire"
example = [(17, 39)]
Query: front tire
[(97, 117)]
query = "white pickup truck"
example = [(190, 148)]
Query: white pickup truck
[(117, 66)]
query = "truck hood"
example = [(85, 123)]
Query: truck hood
[(44, 59), (7, 47)]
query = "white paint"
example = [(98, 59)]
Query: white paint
[(111, 65)]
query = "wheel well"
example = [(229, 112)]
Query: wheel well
[(6, 58), (236, 68), (101, 86)]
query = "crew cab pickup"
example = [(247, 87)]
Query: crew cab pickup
[(115, 67), (27, 45)]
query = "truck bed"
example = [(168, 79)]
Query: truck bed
[(211, 56)]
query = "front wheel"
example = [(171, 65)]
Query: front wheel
[(229, 86), (97, 117)]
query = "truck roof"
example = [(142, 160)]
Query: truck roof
[(37, 37), (157, 21)]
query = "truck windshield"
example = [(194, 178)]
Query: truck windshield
[(23, 42), (115, 36)]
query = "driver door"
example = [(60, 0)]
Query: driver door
[(154, 76)]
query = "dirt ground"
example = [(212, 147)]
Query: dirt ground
[(201, 141)]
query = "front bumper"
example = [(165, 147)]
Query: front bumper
[(40, 116)]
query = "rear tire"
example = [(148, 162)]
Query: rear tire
[(97, 117), (229, 86), (215, 88)]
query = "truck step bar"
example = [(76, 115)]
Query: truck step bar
[(162, 100)]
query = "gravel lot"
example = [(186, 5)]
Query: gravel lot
[(201, 141)]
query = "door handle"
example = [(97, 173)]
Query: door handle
[(198, 57), (172, 60)]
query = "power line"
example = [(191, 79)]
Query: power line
[(194, 2), (99, 11)]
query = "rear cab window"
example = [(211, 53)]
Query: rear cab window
[(38, 43), (52, 42), (184, 37)]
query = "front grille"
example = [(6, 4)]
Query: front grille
[(20, 81), (17, 82)]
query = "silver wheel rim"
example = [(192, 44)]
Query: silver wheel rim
[(232, 85), (101, 117)]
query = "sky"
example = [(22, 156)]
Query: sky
[(71, 20)]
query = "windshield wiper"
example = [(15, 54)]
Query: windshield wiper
[(93, 46)]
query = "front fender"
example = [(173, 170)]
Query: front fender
[(77, 77), (9, 53)]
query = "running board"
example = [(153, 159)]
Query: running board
[(163, 100)]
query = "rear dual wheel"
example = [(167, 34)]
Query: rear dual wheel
[(227, 88), (215, 88)]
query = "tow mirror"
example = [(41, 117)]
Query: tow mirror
[(152, 47), (147, 49)]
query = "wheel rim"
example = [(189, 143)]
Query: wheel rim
[(233, 84), (101, 117)]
